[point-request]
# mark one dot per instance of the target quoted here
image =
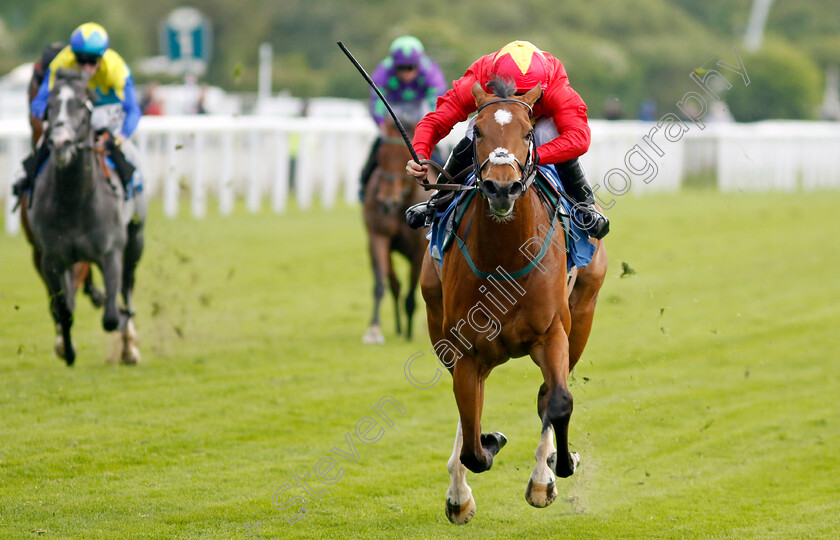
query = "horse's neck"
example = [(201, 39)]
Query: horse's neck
[(77, 181), (492, 242)]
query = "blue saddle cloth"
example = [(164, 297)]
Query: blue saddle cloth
[(134, 186), (445, 223)]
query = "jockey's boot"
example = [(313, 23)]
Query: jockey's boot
[(421, 214), (574, 181), (125, 170), (31, 165), (370, 166)]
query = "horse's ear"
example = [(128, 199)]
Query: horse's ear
[(479, 94), (532, 95)]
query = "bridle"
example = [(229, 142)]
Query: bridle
[(454, 183), (529, 169), (80, 143)]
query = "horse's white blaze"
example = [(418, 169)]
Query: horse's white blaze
[(65, 94), (501, 156), (503, 116), (459, 492), (542, 474)]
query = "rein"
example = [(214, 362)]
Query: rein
[(528, 267), (454, 183)]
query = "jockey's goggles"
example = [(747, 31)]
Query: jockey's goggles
[(87, 59)]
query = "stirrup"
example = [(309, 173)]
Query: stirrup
[(418, 216), (597, 225)]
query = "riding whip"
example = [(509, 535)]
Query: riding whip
[(387, 106)]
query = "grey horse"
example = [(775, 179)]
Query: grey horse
[(79, 213)]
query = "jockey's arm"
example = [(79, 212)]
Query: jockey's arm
[(132, 111), (569, 116), (39, 104)]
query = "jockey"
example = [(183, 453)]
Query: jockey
[(561, 128), (115, 106), (39, 70), (406, 77)]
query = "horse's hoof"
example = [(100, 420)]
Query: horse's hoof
[(574, 462), (97, 298), (575, 459), (373, 336), (540, 495), (62, 352), (460, 514), (110, 323), (59, 347), (131, 355), (493, 442)]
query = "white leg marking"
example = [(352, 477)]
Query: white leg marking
[(459, 492), (541, 474)]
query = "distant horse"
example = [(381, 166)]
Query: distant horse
[(79, 214), (476, 327), (388, 194), (81, 270)]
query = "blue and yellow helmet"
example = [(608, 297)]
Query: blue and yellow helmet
[(89, 38)]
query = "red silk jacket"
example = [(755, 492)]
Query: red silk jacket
[(559, 102)]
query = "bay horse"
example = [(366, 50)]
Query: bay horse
[(388, 194), (79, 214), (475, 326)]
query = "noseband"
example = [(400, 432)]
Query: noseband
[(503, 157)]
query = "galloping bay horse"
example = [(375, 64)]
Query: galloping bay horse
[(470, 321), (388, 194), (79, 214)]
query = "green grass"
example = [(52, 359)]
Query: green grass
[(705, 405)]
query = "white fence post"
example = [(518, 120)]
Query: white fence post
[(254, 193), (171, 185), (199, 189), (226, 191)]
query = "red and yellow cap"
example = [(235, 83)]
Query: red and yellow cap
[(521, 62)]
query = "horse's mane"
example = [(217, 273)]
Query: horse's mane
[(68, 75), (502, 87)]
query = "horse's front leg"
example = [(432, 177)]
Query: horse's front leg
[(410, 300), (378, 246), (477, 449), (542, 489), (394, 282), (460, 505), (555, 403), (111, 267), (55, 276)]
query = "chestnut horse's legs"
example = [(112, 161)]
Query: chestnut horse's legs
[(542, 489), (460, 505), (555, 401), (582, 302), (478, 448), (380, 262)]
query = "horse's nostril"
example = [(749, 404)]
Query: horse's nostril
[(490, 188), (515, 189)]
